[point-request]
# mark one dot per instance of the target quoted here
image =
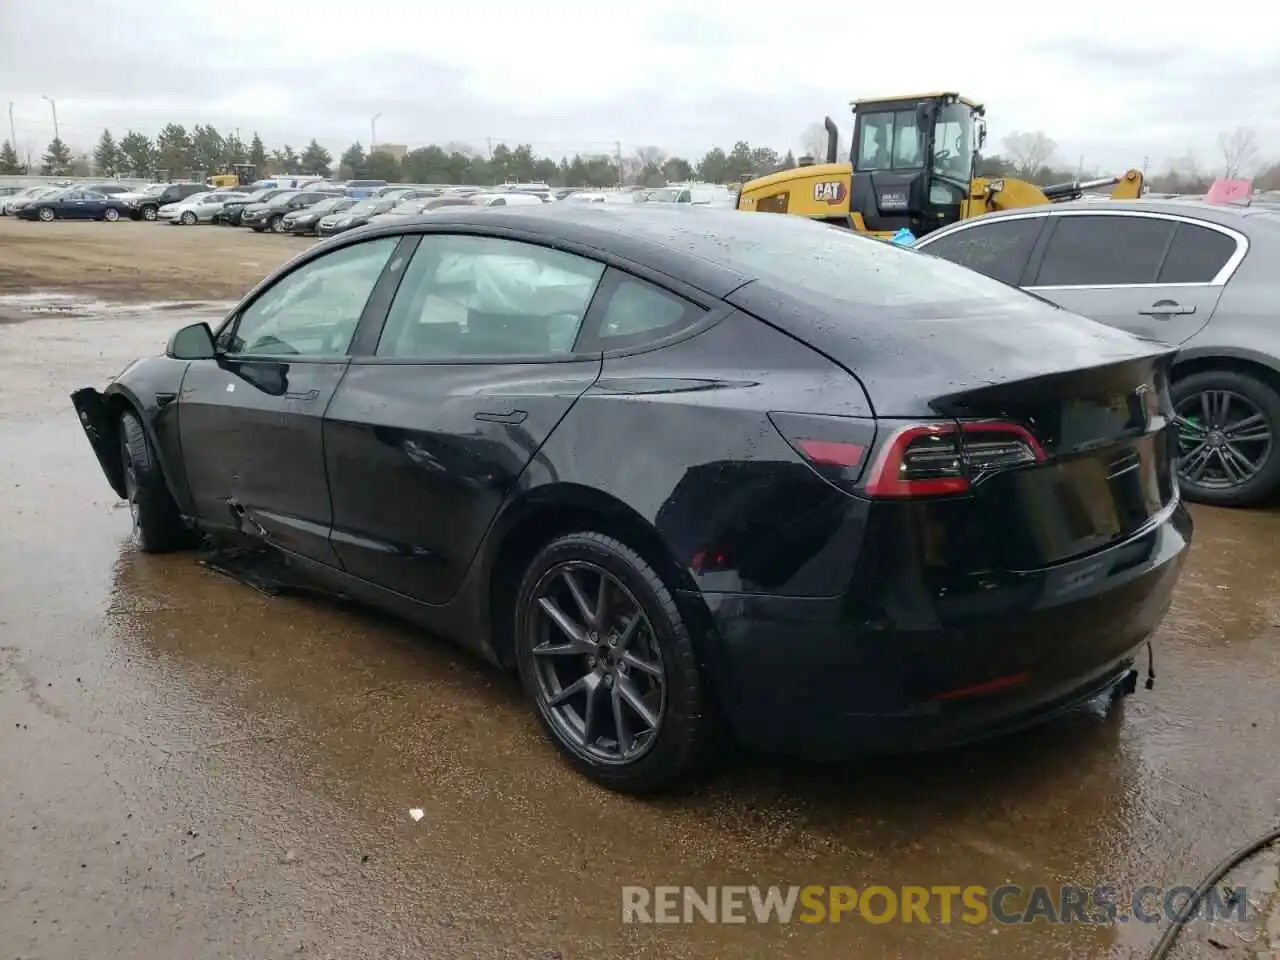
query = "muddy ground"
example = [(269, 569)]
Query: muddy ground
[(134, 262), (191, 770)]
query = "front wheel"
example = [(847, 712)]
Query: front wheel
[(45, 214), (111, 215), (1227, 437), (188, 218), (148, 213), (277, 224), (608, 662), (158, 526)]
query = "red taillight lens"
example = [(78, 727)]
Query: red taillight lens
[(922, 460), (836, 447)]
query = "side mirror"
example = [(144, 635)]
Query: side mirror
[(194, 342)]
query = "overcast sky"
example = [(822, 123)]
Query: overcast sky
[(1116, 83)]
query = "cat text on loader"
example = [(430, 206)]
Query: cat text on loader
[(911, 165)]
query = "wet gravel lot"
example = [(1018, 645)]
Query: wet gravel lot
[(189, 769)]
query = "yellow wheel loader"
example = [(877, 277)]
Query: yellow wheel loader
[(233, 175), (912, 166)]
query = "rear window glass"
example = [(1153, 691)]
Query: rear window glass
[(864, 272)]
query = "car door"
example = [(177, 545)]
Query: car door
[(250, 419), (432, 426), (72, 205), (95, 204), (1155, 275)]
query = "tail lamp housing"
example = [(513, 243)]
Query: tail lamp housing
[(917, 459)]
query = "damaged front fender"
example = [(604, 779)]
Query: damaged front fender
[(99, 427)]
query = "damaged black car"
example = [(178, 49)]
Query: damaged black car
[(689, 473)]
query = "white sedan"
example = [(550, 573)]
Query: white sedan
[(198, 208)]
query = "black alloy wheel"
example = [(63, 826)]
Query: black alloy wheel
[(609, 665), (149, 213), (1227, 424)]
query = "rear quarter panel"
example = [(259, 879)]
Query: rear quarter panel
[(680, 437), (1246, 322)]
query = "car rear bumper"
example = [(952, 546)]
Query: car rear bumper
[(827, 677)]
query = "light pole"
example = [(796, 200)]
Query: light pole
[(373, 131), (13, 134), (53, 105)]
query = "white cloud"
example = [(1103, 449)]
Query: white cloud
[(1114, 84)]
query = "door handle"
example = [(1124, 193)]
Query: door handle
[(1167, 308), (509, 416), (164, 399), (302, 395)]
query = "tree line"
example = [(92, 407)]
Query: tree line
[(177, 153)]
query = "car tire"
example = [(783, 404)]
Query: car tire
[(677, 743), (277, 224), (148, 213), (1247, 396), (188, 218), (111, 215), (46, 214), (158, 526)]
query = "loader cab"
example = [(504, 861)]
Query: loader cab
[(913, 160)]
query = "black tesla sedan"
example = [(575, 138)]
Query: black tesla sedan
[(684, 470)]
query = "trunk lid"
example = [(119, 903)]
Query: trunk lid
[(1108, 467)]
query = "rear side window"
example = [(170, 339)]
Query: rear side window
[(999, 249), (635, 312), (1197, 255), (1092, 251), (821, 263)]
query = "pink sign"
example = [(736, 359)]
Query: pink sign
[(1225, 191)]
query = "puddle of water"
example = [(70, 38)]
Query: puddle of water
[(20, 307)]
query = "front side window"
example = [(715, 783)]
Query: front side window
[(467, 296), (998, 249), (1100, 250), (313, 311)]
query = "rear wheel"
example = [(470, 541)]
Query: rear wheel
[(1228, 424), (157, 524), (45, 213), (607, 660)]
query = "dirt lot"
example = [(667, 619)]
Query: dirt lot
[(189, 769), (135, 262)]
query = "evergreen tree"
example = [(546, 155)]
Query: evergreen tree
[(57, 158), (258, 153), (9, 160), (106, 156), (316, 160)]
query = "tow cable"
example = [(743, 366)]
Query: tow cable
[(1214, 876)]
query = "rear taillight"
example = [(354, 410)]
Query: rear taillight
[(894, 459), (935, 459), (836, 447)]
